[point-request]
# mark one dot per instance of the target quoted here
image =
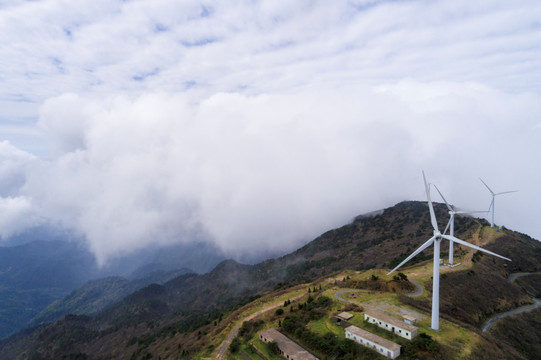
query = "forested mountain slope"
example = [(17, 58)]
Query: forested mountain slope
[(380, 240)]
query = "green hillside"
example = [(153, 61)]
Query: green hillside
[(191, 315), (96, 295)]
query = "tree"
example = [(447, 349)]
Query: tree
[(323, 301), (235, 345), (273, 348)]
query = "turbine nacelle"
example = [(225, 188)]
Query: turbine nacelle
[(491, 207)]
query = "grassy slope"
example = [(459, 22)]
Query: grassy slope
[(159, 317), (488, 276), (455, 342), (527, 340), (522, 331)]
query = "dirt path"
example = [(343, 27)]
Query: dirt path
[(492, 320), (514, 276), (339, 293), (222, 349), (417, 292), (537, 303)]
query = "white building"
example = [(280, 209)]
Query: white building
[(383, 346), (409, 319), (288, 348), (344, 316), (398, 327)]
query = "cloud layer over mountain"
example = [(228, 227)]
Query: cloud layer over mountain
[(257, 125)]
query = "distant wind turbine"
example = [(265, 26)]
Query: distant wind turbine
[(436, 239), (451, 224), (493, 197)]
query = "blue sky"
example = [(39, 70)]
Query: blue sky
[(261, 123)]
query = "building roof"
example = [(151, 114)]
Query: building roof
[(287, 345), (390, 320), (410, 318), (345, 315), (373, 338)]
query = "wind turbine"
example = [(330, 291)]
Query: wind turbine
[(436, 239), (493, 197), (451, 223)]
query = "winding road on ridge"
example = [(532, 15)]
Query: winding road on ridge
[(537, 303), (338, 295), (492, 320), (419, 290)]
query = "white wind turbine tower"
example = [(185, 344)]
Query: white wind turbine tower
[(451, 224), (493, 197), (436, 239)]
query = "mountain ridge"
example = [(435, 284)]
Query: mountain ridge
[(191, 301), (35, 274), (96, 295)]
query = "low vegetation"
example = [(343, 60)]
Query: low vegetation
[(191, 315), (527, 341)]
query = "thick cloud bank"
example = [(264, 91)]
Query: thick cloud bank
[(268, 172), (256, 125)]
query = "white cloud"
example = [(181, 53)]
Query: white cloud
[(261, 124), (13, 167), (54, 47), (16, 215), (271, 171)]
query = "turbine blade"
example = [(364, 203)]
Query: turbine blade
[(446, 203), (431, 208), (492, 192), (447, 227), (448, 237), (421, 248), (506, 192)]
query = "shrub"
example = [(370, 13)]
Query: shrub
[(235, 345), (273, 348)]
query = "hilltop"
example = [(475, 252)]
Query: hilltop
[(190, 315)]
